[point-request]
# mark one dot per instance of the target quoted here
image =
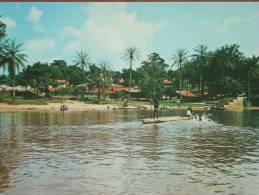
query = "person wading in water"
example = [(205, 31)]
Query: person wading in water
[(156, 108)]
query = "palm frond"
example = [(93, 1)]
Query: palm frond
[(131, 53)]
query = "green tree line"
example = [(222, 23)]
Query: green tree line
[(223, 72)]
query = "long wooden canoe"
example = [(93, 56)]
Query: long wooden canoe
[(165, 119)]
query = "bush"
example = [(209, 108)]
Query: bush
[(27, 94), (254, 101), (2, 97), (119, 95), (84, 99)]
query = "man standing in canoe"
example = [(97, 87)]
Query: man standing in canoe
[(156, 107)]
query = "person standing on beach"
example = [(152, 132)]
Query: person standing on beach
[(156, 108)]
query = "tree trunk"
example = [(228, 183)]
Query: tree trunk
[(130, 78), (154, 82), (202, 86), (13, 95), (187, 87), (154, 87), (181, 97), (248, 90), (99, 93)]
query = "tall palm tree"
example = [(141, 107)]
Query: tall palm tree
[(14, 61), (200, 59), (179, 59), (251, 71), (82, 60), (131, 54)]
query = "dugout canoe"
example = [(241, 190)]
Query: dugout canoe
[(165, 119)]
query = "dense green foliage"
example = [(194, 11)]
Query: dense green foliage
[(225, 72), (100, 78)]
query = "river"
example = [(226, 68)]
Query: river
[(112, 152)]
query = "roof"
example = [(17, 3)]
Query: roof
[(121, 81), (167, 82), (51, 89), (116, 88), (62, 82), (187, 94)]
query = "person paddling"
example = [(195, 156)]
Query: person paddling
[(156, 108)]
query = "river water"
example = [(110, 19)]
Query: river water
[(112, 152)]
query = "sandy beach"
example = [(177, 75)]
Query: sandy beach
[(77, 105), (72, 105)]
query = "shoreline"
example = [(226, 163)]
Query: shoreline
[(81, 106)]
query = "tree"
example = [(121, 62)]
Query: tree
[(82, 60), (105, 76), (2, 42), (14, 61), (116, 76), (2, 29), (250, 72), (153, 74), (100, 78), (58, 69), (201, 60), (130, 55), (75, 75), (224, 63), (179, 59), (38, 76)]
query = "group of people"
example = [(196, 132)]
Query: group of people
[(63, 108)]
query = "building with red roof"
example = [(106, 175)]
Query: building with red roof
[(115, 88), (187, 94)]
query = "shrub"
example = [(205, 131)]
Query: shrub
[(254, 101), (27, 94)]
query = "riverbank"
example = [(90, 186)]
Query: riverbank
[(78, 105), (74, 105)]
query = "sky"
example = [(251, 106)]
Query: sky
[(52, 31)]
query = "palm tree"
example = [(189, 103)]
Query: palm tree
[(200, 59), (14, 61), (251, 71), (105, 76), (131, 54), (2, 29), (228, 56), (2, 52), (82, 60), (2, 42), (100, 78), (179, 58)]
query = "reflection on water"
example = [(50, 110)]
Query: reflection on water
[(114, 153)]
